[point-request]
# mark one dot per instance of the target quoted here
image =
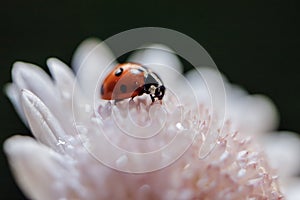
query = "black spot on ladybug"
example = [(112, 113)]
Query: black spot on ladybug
[(123, 88), (119, 71), (102, 90)]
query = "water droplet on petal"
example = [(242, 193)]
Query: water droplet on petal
[(241, 155), (61, 142), (122, 161), (224, 156), (144, 190), (179, 126), (187, 166), (241, 172)]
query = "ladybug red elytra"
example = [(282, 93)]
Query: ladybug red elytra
[(130, 80)]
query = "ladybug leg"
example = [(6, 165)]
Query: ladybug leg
[(132, 99), (152, 98)]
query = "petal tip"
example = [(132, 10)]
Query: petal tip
[(18, 67), (25, 94), (14, 145), (8, 89), (54, 64), (90, 41), (51, 61), (28, 99), (22, 72)]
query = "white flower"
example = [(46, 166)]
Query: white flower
[(85, 148)]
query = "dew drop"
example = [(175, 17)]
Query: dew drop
[(144, 190), (122, 161), (187, 166), (241, 172), (60, 142), (241, 155), (179, 126), (224, 156)]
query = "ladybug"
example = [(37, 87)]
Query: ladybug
[(129, 80)]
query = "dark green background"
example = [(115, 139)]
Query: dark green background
[(255, 43)]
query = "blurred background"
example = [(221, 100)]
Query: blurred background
[(254, 43)]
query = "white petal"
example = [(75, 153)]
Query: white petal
[(32, 78), (37, 169), (292, 190), (283, 151), (63, 76), (73, 100), (161, 60), (43, 124), (14, 96), (82, 51), (250, 113), (90, 61), (208, 85), (255, 114)]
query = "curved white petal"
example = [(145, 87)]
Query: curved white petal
[(39, 171), (255, 114), (208, 85), (13, 94), (90, 61), (292, 192), (63, 76), (161, 59), (31, 77), (82, 51), (73, 100), (283, 151), (43, 124)]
